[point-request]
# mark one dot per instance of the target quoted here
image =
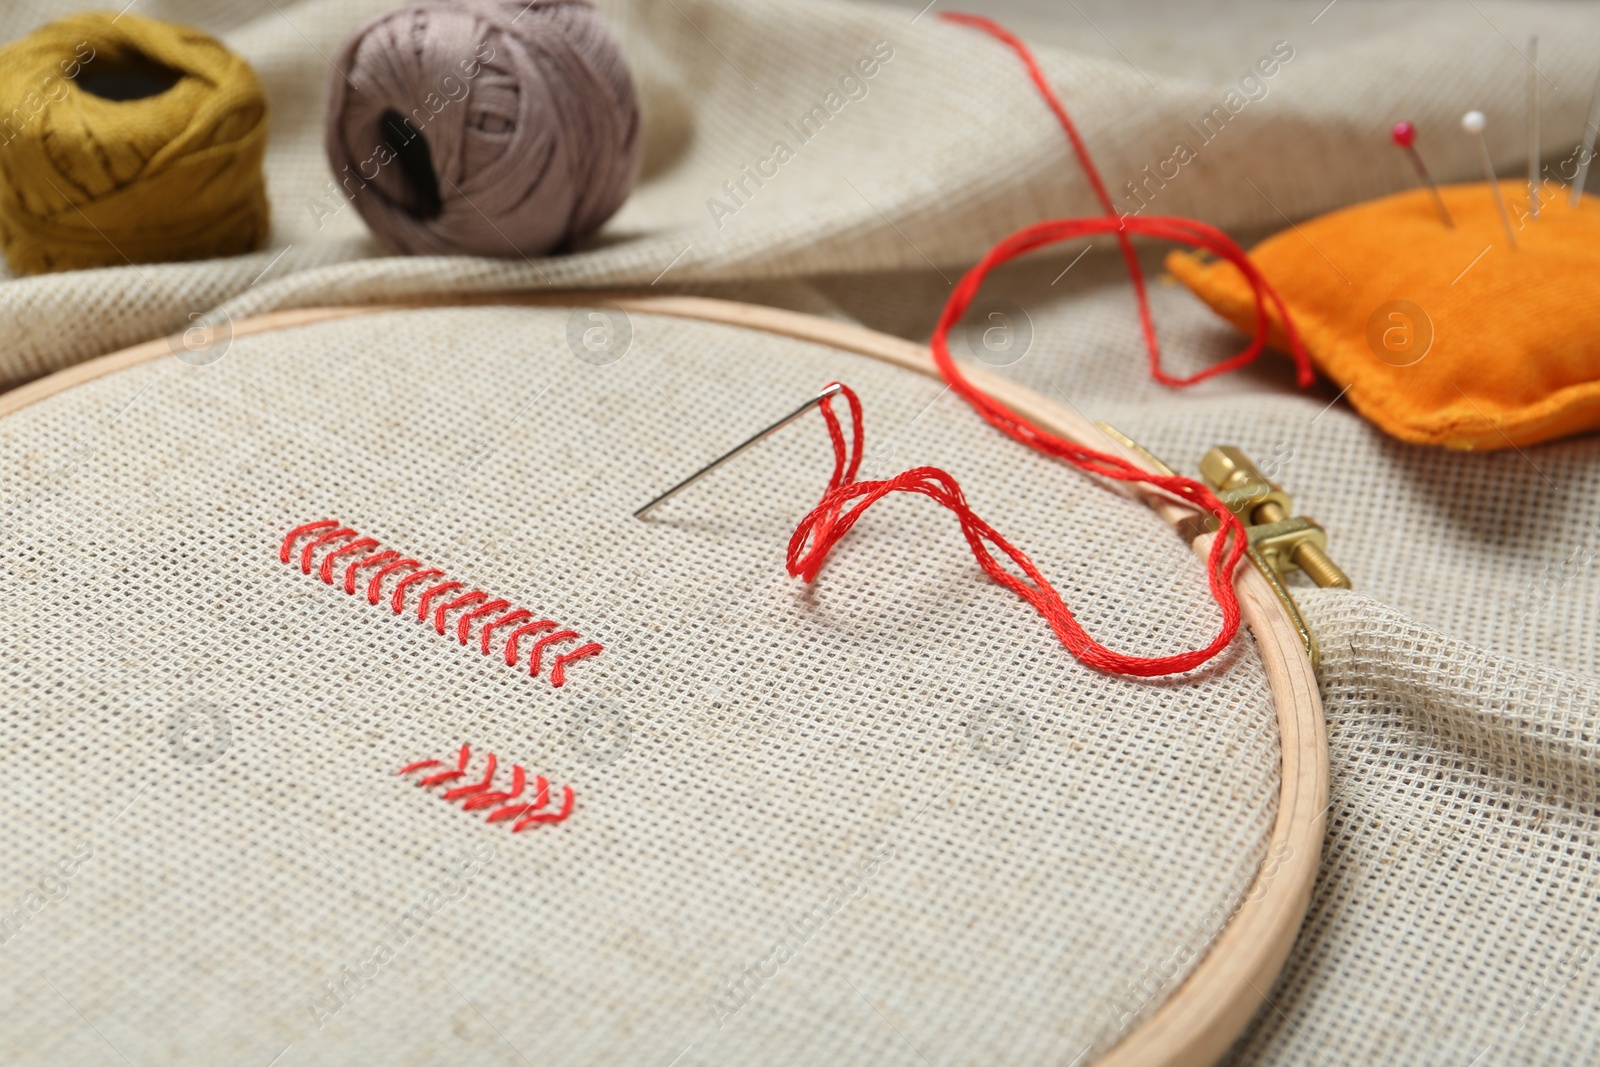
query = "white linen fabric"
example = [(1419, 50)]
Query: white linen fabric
[(1453, 922)]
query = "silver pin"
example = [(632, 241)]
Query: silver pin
[(1589, 130), (1473, 123), (832, 390), (1533, 127)]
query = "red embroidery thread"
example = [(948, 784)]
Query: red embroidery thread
[(510, 616), (375, 587), (350, 571), (558, 670), (847, 499), (531, 628), (466, 620), (480, 796), (326, 573), (326, 533)]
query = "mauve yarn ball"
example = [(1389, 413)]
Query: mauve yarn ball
[(483, 127)]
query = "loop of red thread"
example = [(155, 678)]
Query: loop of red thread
[(541, 792), (540, 818), (539, 646), (508, 617), (317, 542), (375, 558), (398, 601), (375, 587), (846, 501), (465, 625), (1181, 230), (558, 670), (419, 765), (325, 572), (531, 628), (297, 532), (477, 787), (459, 602)]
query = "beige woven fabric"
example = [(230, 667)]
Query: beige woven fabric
[(1454, 916), (948, 150), (896, 775)]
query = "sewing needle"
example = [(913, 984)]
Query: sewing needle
[(832, 390)]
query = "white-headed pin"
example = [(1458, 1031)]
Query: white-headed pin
[(1473, 123)]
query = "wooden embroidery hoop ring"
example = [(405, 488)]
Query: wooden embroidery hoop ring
[(1214, 1003)]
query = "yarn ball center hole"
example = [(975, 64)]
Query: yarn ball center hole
[(411, 152), (127, 77)]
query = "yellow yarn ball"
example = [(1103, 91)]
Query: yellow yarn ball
[(128, 139)]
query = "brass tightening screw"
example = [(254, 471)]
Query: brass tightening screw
[(1307, 556), (1227, 467)]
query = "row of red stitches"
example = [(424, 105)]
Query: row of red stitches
[(479, 794), (438, 597)]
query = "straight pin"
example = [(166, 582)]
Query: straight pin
[(1589, 129), (832, 390), (1404, 135), (1473, 123), (1533, 127)]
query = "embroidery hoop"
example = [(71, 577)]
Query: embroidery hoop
[(1209, 1009)]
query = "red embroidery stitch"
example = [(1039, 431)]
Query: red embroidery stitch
[(461, 769), (305, 553), (539, 818), (532, 627), (483, 609), (398, 602), (327, 533), (288, 542), (470, 790), (350, 571), (375, 587), (532, 814), (458, 602), (558, 672), (541, 797), (519, 781), (510, 616), (326, 573), (428, 594), (538, 648), (509, 813)]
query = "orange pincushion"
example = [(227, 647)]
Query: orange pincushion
[(1443, 336)]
